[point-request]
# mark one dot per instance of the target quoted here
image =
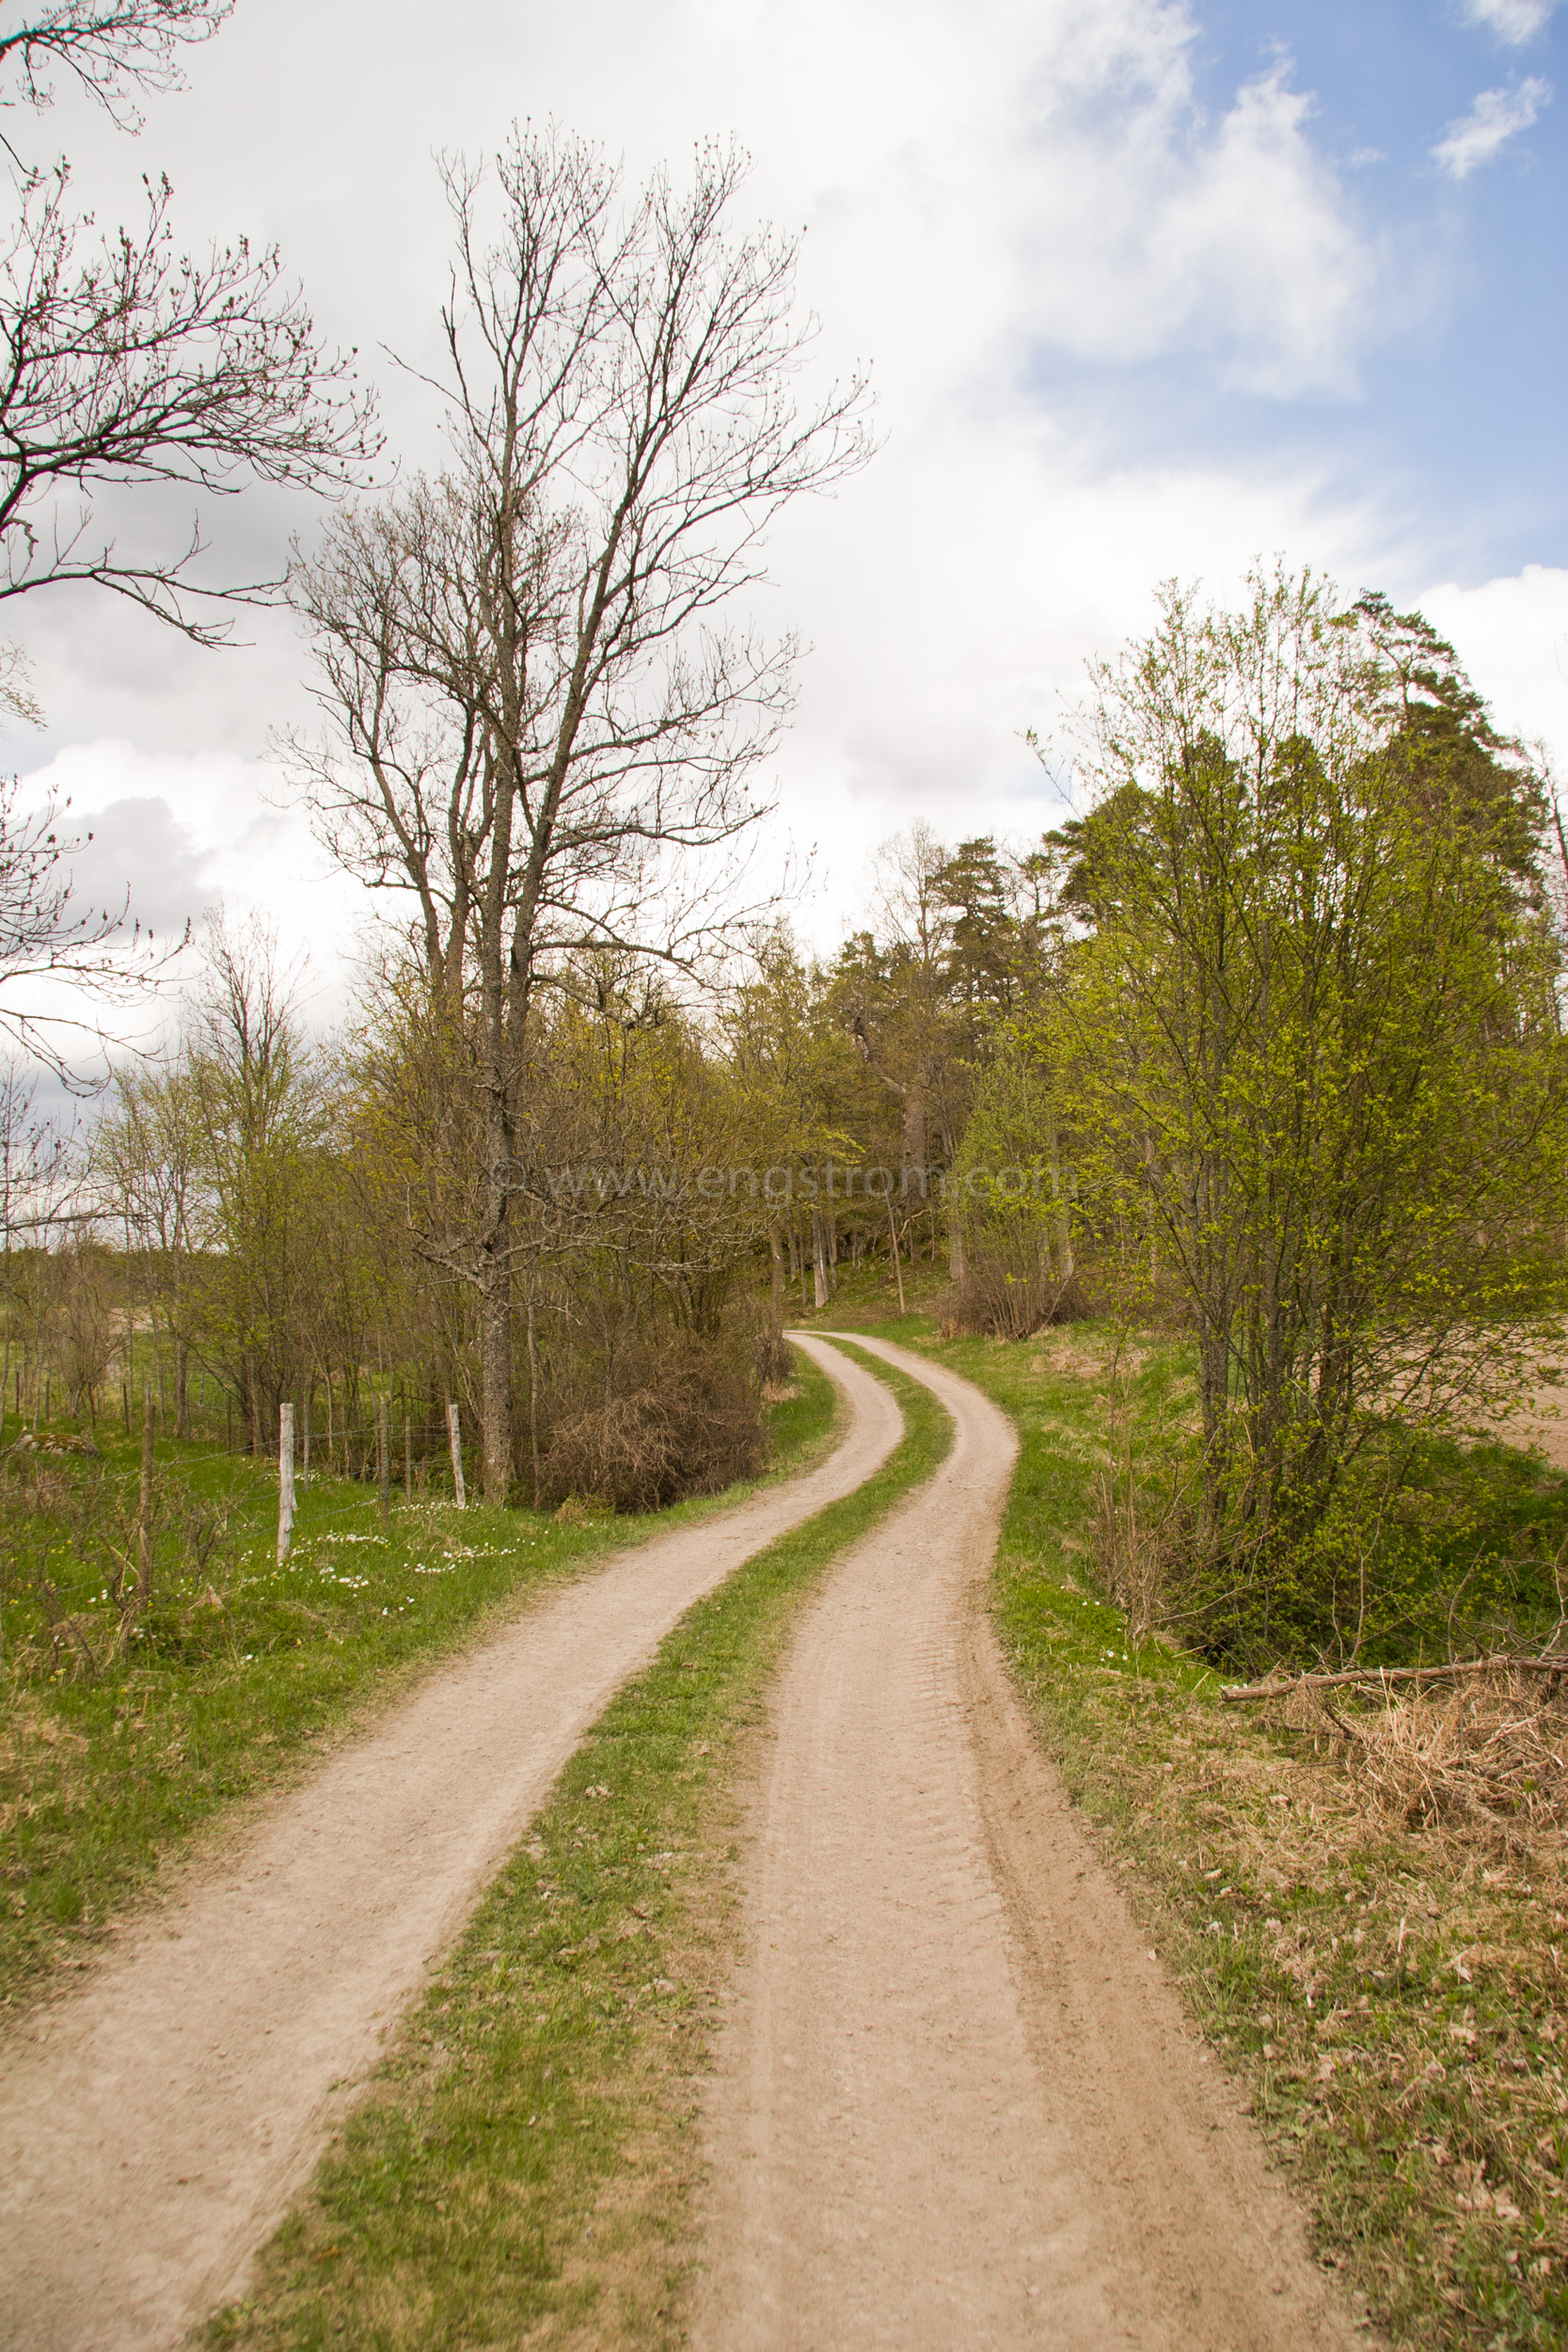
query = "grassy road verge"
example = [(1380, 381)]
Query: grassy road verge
[(109, 1761), (523, 2168), (1393, 2000)]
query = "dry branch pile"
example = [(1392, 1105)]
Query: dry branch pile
[(1484, 1756), (684, 1421)]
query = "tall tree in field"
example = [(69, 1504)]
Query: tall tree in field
[(539, 722)]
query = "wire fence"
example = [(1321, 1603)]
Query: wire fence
[(419, 1445)]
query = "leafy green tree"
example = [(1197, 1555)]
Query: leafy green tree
[(1314, 1027)]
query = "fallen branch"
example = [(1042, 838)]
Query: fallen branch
[(1276, 1686)]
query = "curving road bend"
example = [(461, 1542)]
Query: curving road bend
[(955, 2105), (154, 2123)]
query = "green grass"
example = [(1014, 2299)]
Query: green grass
[(245, 1666), (523, 2168)]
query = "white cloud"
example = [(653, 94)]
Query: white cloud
[(1493, 119), (1512, 635), (981, 186), (1157, 230), (139, 856), (1511, 20), (182, 832)]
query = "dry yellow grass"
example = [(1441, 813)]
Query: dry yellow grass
[(1483, 1763)]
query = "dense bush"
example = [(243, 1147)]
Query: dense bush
[(683, 1417)]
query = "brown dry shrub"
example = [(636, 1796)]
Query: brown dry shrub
[(1135, 1555), (1489, 1758), (1487, 1761), (684, 1419), (990, 1301)]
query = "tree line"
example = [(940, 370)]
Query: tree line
[(1264, 1050), (1262, 1045)]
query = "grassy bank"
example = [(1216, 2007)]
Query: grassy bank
[(115, 1748), (523, 2168), (1391, 1999)]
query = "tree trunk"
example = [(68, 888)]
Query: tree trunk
[(892, 1244), (819, 1255), (1060, 1218), (495, 1351), (144, 1510), (495, 1269), (532, 1400), (912, 1133)]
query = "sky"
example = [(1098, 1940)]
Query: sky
[(1146, 289)]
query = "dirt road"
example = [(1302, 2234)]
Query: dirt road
[(956, 2103), (154, 2123)]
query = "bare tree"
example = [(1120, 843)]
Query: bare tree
[(126, 363), (130, 363), (144, 1158), (538, 720)]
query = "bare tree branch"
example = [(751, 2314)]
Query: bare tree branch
[(45, 937), (112, 47), (129, 363)]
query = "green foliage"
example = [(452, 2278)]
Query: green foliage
[(1428, 1549), (1310, 1042)]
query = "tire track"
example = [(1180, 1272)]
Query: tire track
[(154, 2123), (956, 2106)]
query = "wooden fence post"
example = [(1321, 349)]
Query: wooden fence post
[(455, 1438), (383, 1461), (285, 1480), (408, 1459)]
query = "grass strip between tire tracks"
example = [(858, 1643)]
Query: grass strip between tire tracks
[(523, 2168)]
